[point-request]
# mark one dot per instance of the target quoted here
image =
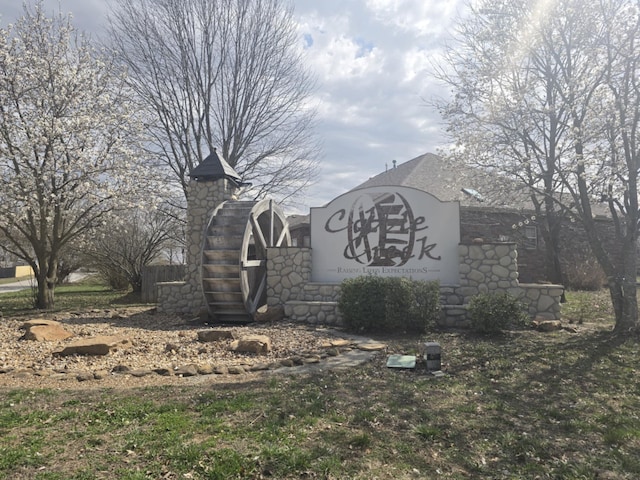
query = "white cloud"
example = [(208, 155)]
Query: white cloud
[(373, 100), (373, 62), (343, 58), (417, 17)]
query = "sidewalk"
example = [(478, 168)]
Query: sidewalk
[(17, 286), (31, 282)]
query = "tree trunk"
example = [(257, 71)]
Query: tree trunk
[(45, 296), (46, 275), (551, 237), (625, 299), (625, 305)]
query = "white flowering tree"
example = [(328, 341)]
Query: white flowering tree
[(547, 93), (508, 114), (69, 138)]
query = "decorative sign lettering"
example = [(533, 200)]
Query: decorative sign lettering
[(390, 231)]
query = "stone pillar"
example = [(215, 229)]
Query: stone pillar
[(203, 197)]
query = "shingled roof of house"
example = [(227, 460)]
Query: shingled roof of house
[(453, 182)]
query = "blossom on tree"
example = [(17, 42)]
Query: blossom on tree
[(70, 141)]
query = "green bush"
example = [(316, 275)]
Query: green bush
[(493, 312), (381, 304)]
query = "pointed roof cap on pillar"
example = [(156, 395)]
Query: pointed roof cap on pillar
[(214, 167)]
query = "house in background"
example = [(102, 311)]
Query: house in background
[(492, 208)]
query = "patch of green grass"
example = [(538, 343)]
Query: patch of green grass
[(88, 293), (428, 432), (584, 306), (523, 405), (27, 453)]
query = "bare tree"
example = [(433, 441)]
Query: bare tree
[(538, 98), (130, 243), (226, 74), (69, 138)]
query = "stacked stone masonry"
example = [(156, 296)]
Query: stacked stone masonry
[(484, 268), (187, 297), (289, 284)]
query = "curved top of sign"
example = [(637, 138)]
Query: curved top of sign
[(386, 189)]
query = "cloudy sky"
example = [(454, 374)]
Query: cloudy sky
[(373, 60)]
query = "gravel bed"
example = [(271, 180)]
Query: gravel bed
[(159, 342)]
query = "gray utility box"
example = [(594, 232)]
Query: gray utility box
[(432, 355)]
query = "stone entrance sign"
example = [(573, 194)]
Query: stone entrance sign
[(389, 231)]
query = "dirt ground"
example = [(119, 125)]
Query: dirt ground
[(159, 343)]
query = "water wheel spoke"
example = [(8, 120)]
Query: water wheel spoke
[(258, 294), (253, 264), (272, 223), (282, 237), (257, 231)]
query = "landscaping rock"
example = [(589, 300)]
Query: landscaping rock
[(269, 314), (85, 376), (547, 325), (259, 367), (23, 372), (258, 344), (372, 346), (100, 374), (214, 335), (41, 330), (187, 371), (205, 369), (38, 321), (101, 345)]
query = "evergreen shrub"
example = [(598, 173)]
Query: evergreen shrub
[(389, 304), (493, 312)]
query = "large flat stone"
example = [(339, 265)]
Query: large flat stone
[(100, 345), (39, 321), (258, 344), (47, 333)]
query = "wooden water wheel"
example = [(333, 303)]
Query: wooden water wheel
[(234, 257)]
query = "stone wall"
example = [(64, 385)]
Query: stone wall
[(289, 284), (496, 225), (493, 268), (499, 225), (484, 268), (202, 197)]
